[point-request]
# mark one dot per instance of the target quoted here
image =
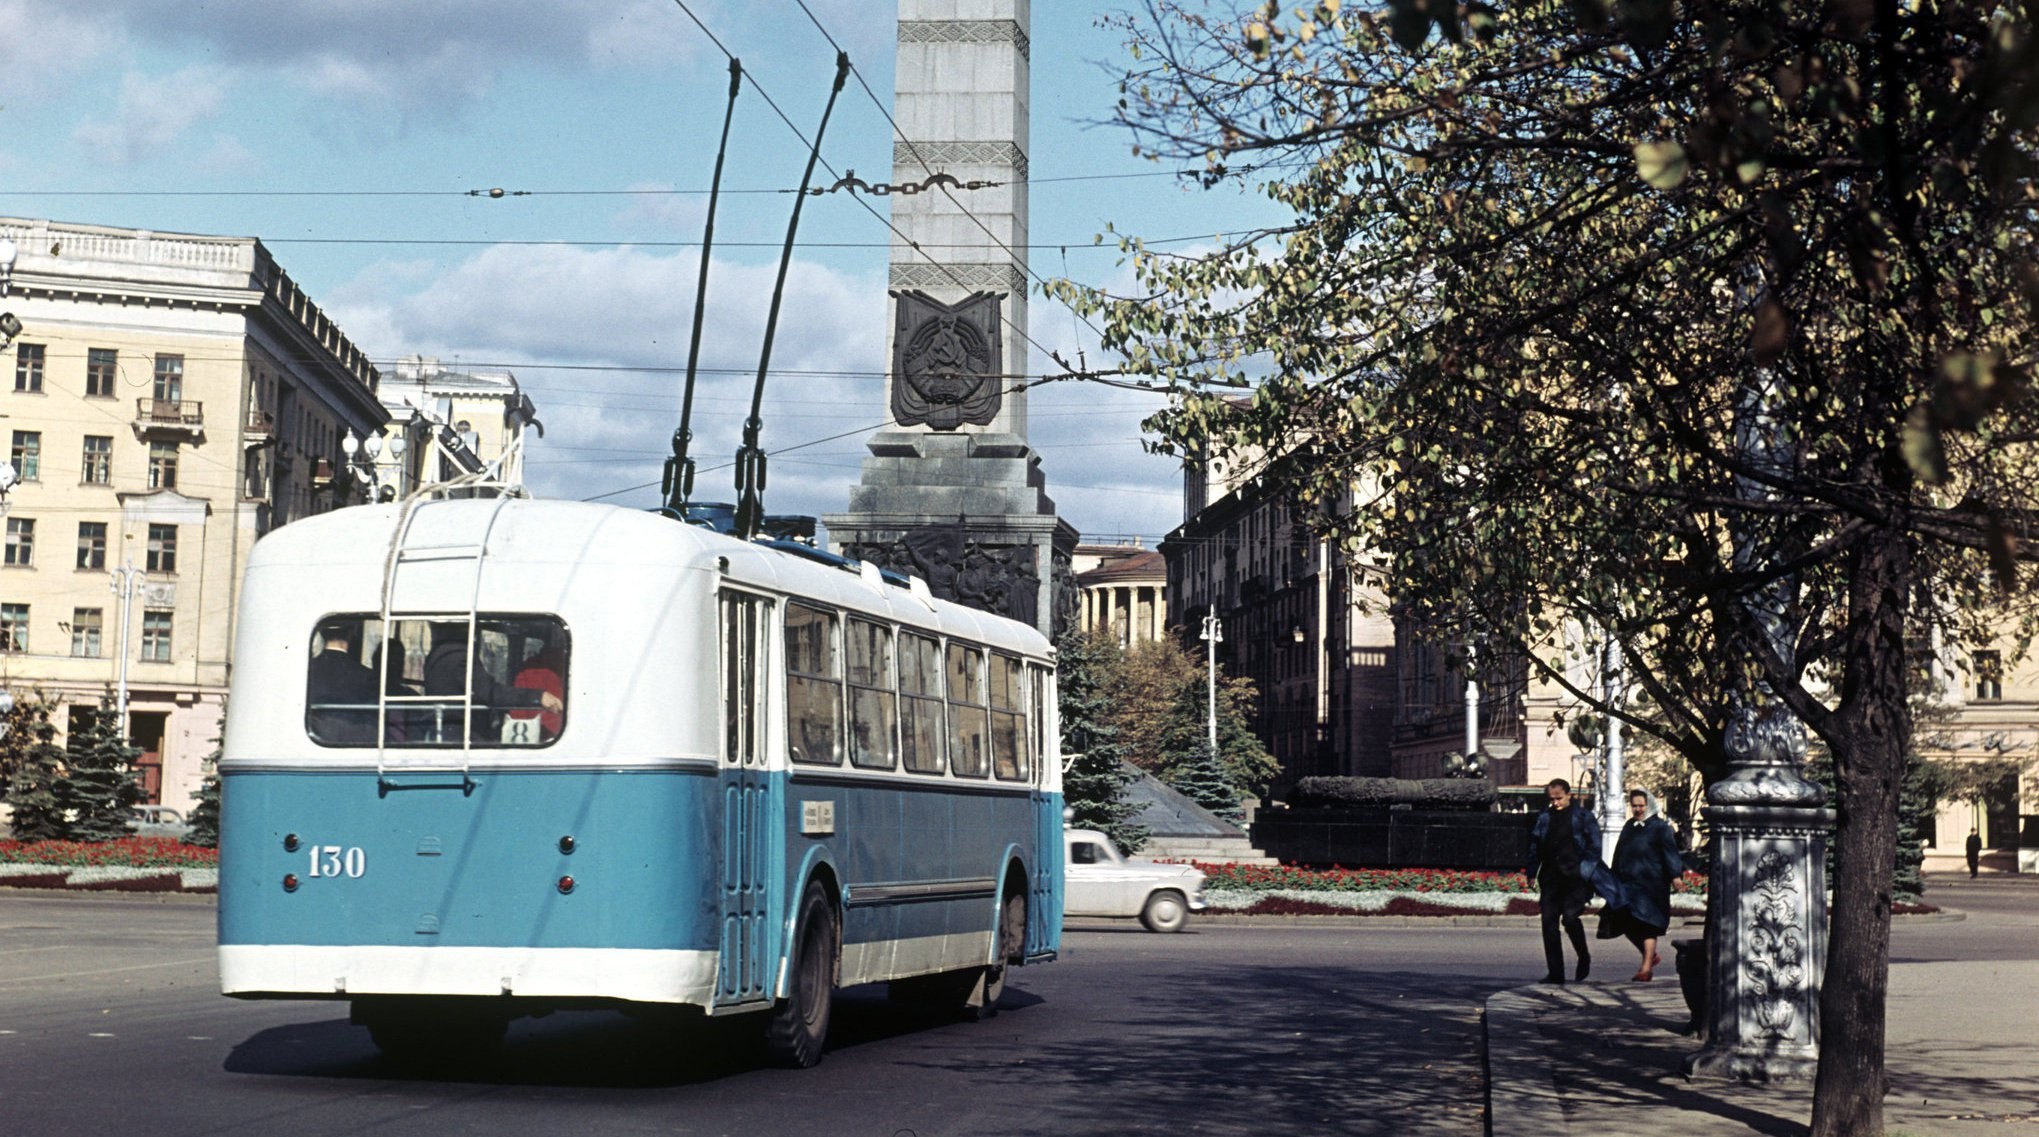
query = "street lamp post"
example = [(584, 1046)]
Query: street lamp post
[(1214, 634), (127, 579), (1613, 782)]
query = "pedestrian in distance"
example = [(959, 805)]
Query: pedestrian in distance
[(1646, 861), (1565, 866), (1974, 853)]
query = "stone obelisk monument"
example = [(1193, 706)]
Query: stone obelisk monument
[(951, 492)]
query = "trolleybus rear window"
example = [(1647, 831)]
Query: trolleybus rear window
[(424, 682)]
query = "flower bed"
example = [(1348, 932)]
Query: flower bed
[(1292, 878), (128, 852)]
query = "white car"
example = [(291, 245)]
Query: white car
[(1098, 881)]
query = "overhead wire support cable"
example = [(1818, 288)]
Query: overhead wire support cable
[(679, 471), (750, 457)]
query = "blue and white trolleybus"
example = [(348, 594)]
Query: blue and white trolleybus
[(487, 757)]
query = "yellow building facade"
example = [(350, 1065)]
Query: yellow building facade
[(168, 399)]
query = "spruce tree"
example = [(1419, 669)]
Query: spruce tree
[(1094, 778), (100, 788), (36, 768), (1200, 776), (205, 815)]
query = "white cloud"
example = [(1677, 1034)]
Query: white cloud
[(30, 70), (151, 113), (628, 308)]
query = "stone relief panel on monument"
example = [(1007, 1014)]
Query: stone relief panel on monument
[(947, 361), (995, 578)]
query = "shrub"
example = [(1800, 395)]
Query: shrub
[(1428, 793)]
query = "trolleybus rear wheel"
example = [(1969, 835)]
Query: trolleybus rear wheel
[(798, 1026), (1012, 944)]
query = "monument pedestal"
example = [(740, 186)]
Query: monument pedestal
[(968, 513)]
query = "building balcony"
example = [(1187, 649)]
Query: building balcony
[(169, 418), (258, 426)]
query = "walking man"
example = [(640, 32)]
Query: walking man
[(1564, 863), (1974, 853)]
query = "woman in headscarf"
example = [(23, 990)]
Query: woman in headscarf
[(1646, 861)]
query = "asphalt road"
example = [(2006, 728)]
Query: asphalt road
[(110, 1022)]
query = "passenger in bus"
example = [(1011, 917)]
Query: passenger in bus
[(448, 672), (397, 720), (340, 704), (544, 671)]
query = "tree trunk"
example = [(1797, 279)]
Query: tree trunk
[(1872, 732)]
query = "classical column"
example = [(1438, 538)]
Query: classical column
[(1766, 934)]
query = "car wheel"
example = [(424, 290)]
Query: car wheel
[(1166, 911), (798, 1027)]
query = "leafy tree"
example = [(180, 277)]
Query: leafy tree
[(1199, 776), (205, 815), (99, 786), (1160, 703), (1094, 777), (1674, 320), (35, 765)]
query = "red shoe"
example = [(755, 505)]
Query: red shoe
[(1642, 976)]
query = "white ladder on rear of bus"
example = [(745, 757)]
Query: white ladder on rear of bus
[(402, 552)]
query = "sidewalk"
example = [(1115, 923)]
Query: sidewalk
[(1604, 1057)]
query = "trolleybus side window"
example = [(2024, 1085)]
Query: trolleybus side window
[(874, 707), (814, 686), (501, 680), (920, 688), (1008, 729), (744, 619), (968, 730)]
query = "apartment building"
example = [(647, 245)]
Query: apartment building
[(173, 397)]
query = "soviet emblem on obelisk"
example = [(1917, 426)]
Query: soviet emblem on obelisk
[(947, 363)]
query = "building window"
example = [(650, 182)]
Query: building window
[(28, 367), (92, 544), (86, 624), (21, 541), (28, 455), (156, 635), (162, 465), (98, 462), (102, 364), (13, 627), (162, 548), (169, 378), (1989, 676)]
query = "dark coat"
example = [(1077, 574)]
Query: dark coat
[(1647, 860), (1586, 837), (341, 699)]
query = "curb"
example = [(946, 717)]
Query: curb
[(1520, 1086)]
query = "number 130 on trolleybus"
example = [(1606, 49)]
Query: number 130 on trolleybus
[(489, 757)]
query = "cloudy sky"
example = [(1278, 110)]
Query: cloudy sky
[(346, 134)]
